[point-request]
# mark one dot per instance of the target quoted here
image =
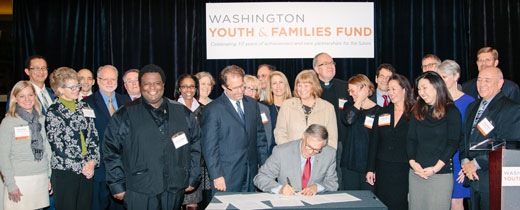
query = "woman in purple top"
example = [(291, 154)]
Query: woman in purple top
[(450, 73)]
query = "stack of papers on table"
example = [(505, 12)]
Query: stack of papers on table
[(256, 200)]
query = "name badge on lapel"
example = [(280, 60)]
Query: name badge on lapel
[(22, 132), (369, 121), (485, 126), (179, 140), (384, 120), (341, 103), (89, 113), (264, 118)]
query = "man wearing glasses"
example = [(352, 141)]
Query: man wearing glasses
[(430, 62), (36, 69), (104, 102), (334, 91), (488, 57), (233, 136), (263, 75), (383, 74), (306, 166)]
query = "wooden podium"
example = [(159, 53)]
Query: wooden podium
[(504, 179)]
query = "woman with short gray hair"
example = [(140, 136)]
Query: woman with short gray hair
[(450, 73)]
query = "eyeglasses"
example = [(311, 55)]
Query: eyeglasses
[(262, 76), (430, 65), (185, 87), (43, 68), (73, 88), (108, 79), (314, 150), (241, 87), (327, 63), (251, 89)]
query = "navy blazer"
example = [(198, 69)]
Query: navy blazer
[(96, 102), (49, 90), (228, 146), (504, 114)]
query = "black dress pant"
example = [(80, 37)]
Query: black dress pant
[(479, 200), (353, 180), (71, 190), (164, 201)]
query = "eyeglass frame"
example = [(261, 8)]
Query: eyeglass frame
[(77, 87), (326, 64), (242, 87), (316, 151)]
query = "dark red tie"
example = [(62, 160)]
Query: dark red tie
[(386, 100), (306, 173), (84, 96)]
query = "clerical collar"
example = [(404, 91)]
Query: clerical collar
[(326, 84)]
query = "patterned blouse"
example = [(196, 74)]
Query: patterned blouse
[(63, 132)]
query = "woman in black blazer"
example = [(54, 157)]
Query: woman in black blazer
[(387, 148), (433, 138)]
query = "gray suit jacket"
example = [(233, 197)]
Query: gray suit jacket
[(285, 162)]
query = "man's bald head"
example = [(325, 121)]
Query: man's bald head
[(489, 82)]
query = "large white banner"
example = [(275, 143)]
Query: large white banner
[(289, 30)]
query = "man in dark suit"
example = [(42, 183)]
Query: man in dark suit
[(131, 83), (104, 102), (492, 116), (233, 140), (335, 92), (488, 57), (383, 74), (292, 162)]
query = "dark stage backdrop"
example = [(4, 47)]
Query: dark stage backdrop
[(171, 34)]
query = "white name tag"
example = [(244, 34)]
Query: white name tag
[(369, 121), (264, 118), (89, 113), (384, 120), (22, 132), (485, 126), (341, 103), (179, 140)]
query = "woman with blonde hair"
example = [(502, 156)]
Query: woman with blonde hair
[(304, 109), (276, 92), (253, 89), (25, 152), (73, 138)]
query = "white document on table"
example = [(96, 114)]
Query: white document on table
[(339, 197), (248, 204), (283, 201), (217, 206)]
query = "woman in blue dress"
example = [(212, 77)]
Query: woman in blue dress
[(450, 73)]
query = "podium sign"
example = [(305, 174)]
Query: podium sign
[(504, 179)]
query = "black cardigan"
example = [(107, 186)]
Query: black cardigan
[(431, 140)]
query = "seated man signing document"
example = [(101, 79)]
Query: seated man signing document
[(306, 166)]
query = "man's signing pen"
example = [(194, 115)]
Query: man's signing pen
[(288, 181)]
